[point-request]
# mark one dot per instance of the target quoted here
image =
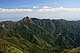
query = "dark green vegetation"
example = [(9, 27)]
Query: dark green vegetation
[(32, 35)]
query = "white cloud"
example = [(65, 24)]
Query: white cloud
[(45, 7), (61, 9), (35, 6), (15, 10), (42, 9)]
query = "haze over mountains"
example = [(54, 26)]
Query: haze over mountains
[(33, 35), (15, 16)]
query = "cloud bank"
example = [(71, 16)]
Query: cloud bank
[(15, 10), (49, 9), (41, 9)]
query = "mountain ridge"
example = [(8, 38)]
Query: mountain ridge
[(33, 35)]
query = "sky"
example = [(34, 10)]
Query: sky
[(42, 9)]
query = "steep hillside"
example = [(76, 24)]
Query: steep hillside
[(32, 35)]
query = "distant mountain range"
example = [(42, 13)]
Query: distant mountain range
[(32, 35)]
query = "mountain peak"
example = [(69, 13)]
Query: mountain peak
[(26, 18)]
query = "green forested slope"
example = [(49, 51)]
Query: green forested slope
[(32, 35)]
